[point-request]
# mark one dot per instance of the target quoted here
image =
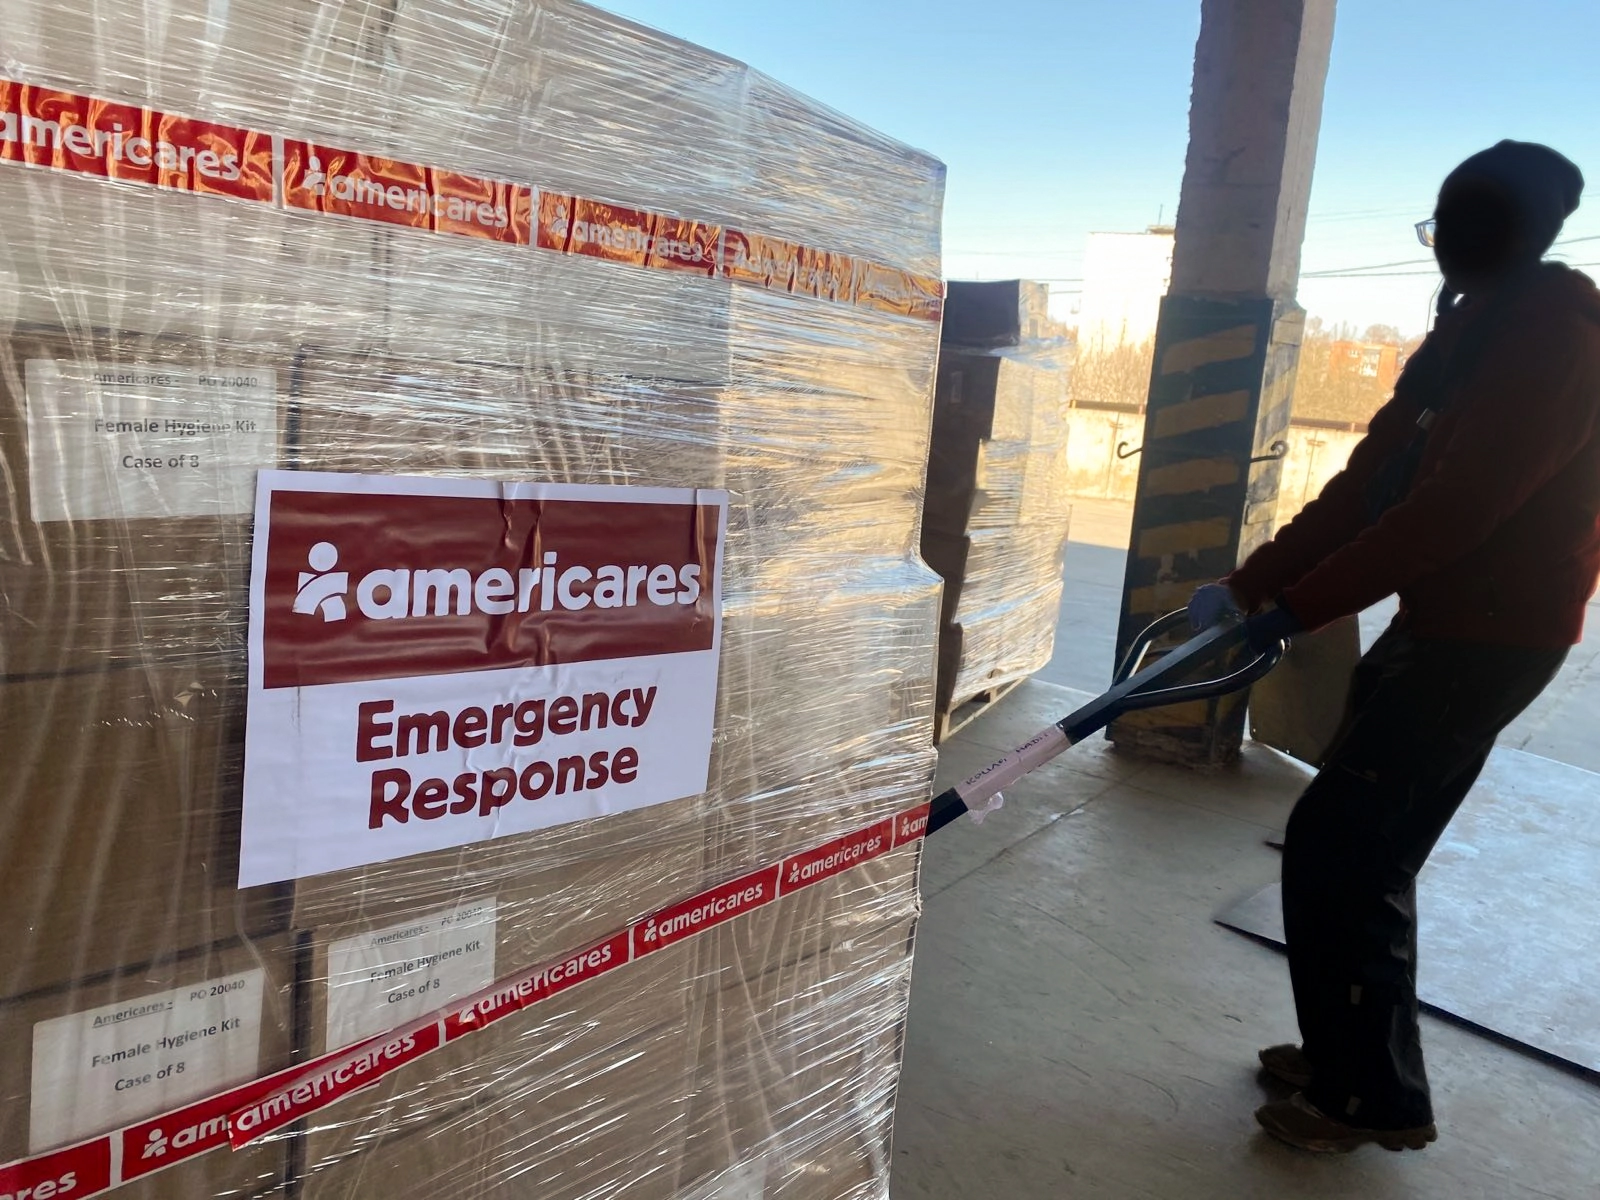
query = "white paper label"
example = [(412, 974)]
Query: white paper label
[(125, 442), (97, 1070), (382, 979), (416, 684)]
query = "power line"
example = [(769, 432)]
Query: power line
[(1403, 274), (1357, 272), (1369, 271), (956, 250), (1369, 274), (1335, 271), (1369, 214)]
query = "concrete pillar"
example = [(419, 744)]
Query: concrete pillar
[(1228, 336)]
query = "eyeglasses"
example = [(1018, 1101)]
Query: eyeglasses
[(1426, 231)]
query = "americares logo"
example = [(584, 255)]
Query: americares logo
[(368, 585), (399, 593), (118, 145), (158, 1144), (362, 189)]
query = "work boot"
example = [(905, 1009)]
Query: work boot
[(1298, 1122), (1287, 1062)]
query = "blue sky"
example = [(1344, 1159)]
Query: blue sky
[(1059, 117)]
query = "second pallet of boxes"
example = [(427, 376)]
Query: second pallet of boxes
[(996, 516)]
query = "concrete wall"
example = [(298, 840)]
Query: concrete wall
[(1095, 472), (1315, 456), (1093, 468)]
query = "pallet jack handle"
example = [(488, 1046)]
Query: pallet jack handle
[(1133, 687)]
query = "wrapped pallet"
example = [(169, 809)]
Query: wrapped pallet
[(464, 649), (996, 513)]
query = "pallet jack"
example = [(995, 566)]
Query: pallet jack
[(1133, 687)]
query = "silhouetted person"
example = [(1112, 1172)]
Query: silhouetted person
[(1476, 497)]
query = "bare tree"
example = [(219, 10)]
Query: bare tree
[(1330, 387), (1113, 375)]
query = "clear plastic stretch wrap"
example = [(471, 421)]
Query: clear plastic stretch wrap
[(258, 254), (997, 510)]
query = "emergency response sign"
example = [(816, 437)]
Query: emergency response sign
[(435, 662)]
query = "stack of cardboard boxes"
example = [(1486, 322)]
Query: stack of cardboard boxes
[(160, 346), (996, 514)]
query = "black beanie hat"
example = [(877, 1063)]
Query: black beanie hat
[(1544, 185)]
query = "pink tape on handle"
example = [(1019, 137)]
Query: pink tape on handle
[(990, 781)]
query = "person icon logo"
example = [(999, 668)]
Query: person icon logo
[(560, 223), (156, 1146), (322, 589), (316, 179)]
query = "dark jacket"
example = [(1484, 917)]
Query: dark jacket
[(1498, 537)]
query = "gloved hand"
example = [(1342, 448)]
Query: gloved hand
[(1270, 626), (1211, 604)]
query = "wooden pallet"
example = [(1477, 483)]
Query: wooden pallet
[(948, 724)]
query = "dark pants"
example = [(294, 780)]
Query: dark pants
[(1423, 718)]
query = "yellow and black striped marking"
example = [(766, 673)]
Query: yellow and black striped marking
[(1217, 393)]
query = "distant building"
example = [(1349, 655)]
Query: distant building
[(1380, 361), (1124, 277)]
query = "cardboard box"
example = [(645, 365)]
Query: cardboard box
[(996, 485), (500, 93), (988, 649), (48, 1044), (565, 316), (849, 795), (601, 1132), (129, 466), (418, 408), (368, 968), (782, 715), (855, 1165), (571, 883), (120, 813), (586, 1057), (1004, 312), (379, 409), (580, 1095), (218, 270), (582, 1049), (812, 923), (224, 60), (796, 1068), (849, 1170), (1018, 483), (996, 515), (846, 518), (1017, 398), (214, 267), (992, 568)]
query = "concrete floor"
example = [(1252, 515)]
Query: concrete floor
[(1080, 1027)]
